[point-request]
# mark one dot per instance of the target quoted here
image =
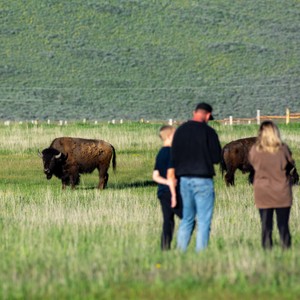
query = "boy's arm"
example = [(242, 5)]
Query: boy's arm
[(172, 184), (158, 178)]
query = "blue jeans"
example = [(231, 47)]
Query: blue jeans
[(198, 197)]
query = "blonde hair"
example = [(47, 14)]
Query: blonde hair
[(268, 139), (165, 131)]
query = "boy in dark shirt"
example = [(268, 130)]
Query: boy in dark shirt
[(160, 175)]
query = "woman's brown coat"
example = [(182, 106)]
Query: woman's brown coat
[(272, 188)]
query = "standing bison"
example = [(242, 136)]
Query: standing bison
[(68, 157), (235, 156)]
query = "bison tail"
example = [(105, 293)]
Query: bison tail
[(114, 159), (223, 166)]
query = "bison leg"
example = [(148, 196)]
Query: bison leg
[(229, 178), (65, 181), (74, 177), (74, 180), (251, 177), (103, 178)]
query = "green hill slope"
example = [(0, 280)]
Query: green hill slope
[(148, 59)]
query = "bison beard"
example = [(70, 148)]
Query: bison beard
[(67, 158), (235, 156)]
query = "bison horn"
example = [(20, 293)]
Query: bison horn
[(58, 155), (39, 153)]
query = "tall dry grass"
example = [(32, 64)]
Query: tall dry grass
[(105, 244)]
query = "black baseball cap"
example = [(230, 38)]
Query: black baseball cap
[(207, 107)]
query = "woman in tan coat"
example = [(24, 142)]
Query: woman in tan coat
[(270, 158)]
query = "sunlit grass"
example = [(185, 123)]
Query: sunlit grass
[(106, 244)]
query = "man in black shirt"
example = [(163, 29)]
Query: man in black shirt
[(195, 149)]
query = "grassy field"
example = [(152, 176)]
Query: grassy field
[(90, 244), (95, 59)]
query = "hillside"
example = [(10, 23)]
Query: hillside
[(148, 59)]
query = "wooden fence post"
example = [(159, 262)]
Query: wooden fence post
[(287, 118), (258, 117)]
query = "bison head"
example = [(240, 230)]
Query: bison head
[(53, 161)]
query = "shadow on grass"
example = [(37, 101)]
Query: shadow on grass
[(136, 184), (121, 186)]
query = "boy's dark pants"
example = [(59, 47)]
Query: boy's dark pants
[(168, 218), (266, 217)]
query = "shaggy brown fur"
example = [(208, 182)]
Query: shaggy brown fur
[(235, 156), (68, 157)]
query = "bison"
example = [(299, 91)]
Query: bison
[(68, 157), (235, 156)]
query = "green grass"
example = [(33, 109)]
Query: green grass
[(90, 244), (147, 59)]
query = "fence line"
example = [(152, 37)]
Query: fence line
[(287, 118)]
